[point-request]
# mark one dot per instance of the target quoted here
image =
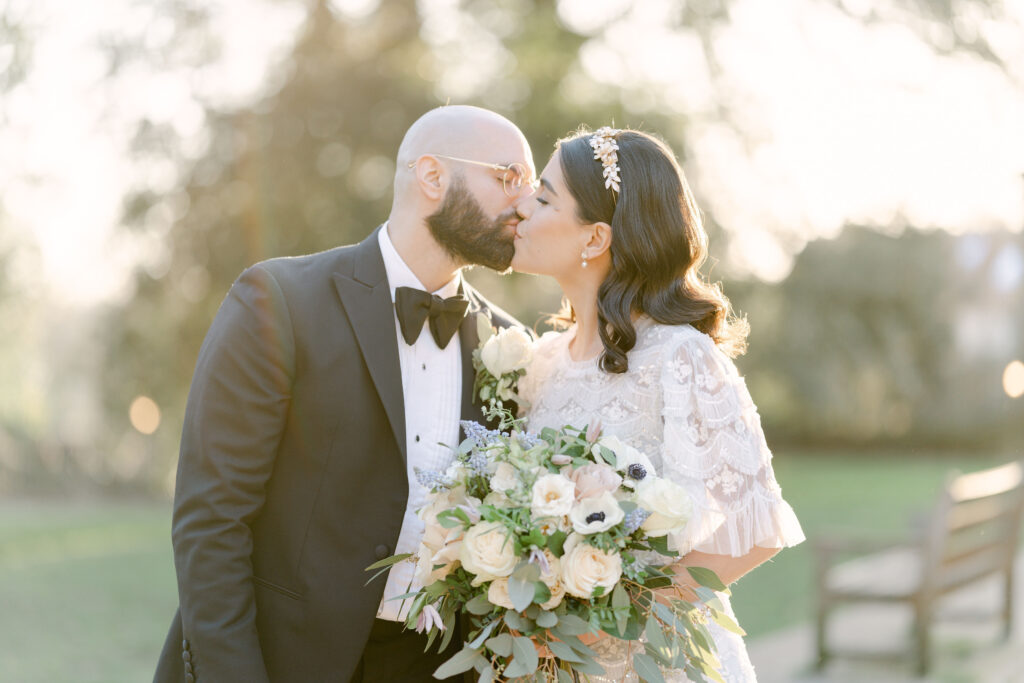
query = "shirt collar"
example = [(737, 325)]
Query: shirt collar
[(400, 275)]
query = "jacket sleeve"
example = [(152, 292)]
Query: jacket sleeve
[(236, 412)]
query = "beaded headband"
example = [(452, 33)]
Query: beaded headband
[(606, 150)]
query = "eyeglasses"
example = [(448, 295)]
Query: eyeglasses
[(513, 176)]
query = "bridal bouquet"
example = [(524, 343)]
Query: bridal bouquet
[(541, 538)]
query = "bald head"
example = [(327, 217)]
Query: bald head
[(461, 131), (456, 130)]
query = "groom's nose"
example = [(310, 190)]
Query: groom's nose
[(525, 206)]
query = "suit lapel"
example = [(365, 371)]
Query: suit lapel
[(469, 339), (366, 296)]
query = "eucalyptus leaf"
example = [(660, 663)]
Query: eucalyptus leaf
[(726, 622), (706, 577), (461, 661), (563, 651), (520, 592), (518, 622), (646, 668), (572, 625), (620, 601), (484, 634), (500, 645), (564, 676), (479, 605), (656, 637), (487, 674), (524, 661), (547, 619)]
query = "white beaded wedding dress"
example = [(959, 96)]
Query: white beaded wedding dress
[(683, 403)]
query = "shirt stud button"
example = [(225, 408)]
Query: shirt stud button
[(424, 366), (417, 438)]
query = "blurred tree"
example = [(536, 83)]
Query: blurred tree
[(308, 167), (876, 338), (309, 164)]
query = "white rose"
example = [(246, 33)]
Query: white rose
[(553, 496), (585, 567), (507, 351), (596, 514), (488, 551), (634, 465), (497, 594), (504, 478), (669, 504)]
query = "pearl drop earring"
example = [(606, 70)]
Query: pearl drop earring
[(583, 256)]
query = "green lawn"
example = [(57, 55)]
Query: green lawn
[(87, 589)]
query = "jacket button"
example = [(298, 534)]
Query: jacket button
[(381, 551), (189, 678), (184, 645), (187, 656)]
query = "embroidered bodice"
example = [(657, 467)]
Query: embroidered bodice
[(683, 403)]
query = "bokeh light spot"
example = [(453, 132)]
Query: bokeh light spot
[(1013, 379), (144, 414)]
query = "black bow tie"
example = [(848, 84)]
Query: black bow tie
[(414, 306)]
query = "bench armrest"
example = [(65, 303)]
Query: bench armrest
[(827, 548)]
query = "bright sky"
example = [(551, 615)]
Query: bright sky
[(839, 122)]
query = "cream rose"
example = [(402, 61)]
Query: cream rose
[(507, 351), (596, 514), (553, 496), (497, 594), (585, 567), (594, 479), (553, 580), (669, 504), (488, 552), (504, 478), (435, 535), (447, 557), (634, 465)]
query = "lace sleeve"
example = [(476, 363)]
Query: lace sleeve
[(714, 446)]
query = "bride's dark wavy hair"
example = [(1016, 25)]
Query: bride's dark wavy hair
[(657, 248)]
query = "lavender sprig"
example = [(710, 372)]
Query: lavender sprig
[(432, 479), (634, 519)]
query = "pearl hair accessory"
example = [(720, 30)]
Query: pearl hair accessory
[(606, 150)]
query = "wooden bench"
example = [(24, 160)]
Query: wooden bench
[(970, 534)]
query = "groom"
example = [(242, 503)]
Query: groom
[(323, 381)]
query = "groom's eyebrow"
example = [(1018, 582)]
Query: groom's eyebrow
[(547, 186)]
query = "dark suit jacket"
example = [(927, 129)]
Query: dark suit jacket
[(292, 476)]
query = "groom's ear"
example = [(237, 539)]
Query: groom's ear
[(600, 239), (430, 177)]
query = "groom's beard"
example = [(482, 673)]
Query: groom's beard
[(464, 230)]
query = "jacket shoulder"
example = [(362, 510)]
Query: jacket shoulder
[(499, 316)]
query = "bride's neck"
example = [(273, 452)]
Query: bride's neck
[(582, 297)]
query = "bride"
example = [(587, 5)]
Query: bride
[(648, 354)]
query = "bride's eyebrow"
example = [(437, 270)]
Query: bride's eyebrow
[(547, 186)]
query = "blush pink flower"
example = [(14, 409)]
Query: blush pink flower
[(594, 479)]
